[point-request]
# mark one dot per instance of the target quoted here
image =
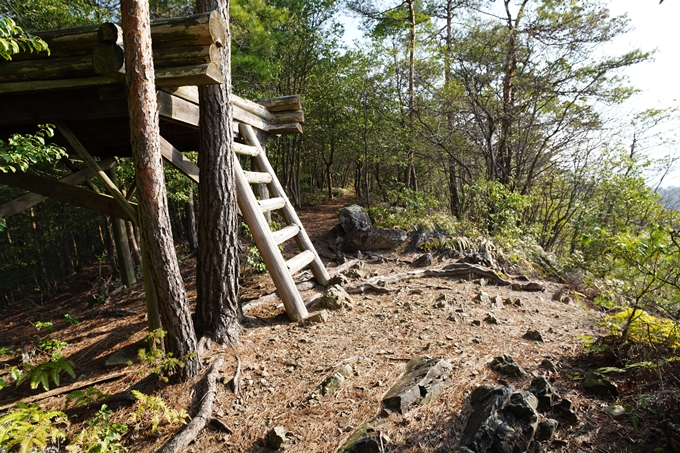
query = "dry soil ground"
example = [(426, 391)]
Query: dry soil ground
[(283, 362)]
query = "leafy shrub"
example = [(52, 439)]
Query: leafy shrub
[(636, 325), (85, 397), (51, 345), (43, 325), (71, 320), (46, 372), (100, 435), (28, 428), (153, 411), (156, 359)]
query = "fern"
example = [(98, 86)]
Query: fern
[(28, 428), (85, 397), (158, 410), (100, 435), (46, 372)]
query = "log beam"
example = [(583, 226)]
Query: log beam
[(177, 160), (101, 203), (31, 199)]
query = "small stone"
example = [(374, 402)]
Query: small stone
[(320, 317), (423, 381), (507, 301), (476, 322), (506, 365), (423, 261), (336, 298), (483, 297), (600, 385), (549, 365), (546, 429), (564, 410), (496, 302), (518, 303), (490, 319), (567, 300), (615, 411), (483, 282), (120, 358), (558, 295), (533, 334), (276, 437), (476, 340), (542, 389)]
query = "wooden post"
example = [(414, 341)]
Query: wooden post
[(125, 264)]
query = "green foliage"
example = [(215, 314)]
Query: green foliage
[(86, 397), (152, 411), (412, 210), (43, 325), (28, 428), (156, 359), (8, 351), (20, 151), (52, 345), (499, 207), (13, 40), (100, 435), (642, 327), (47, 371), (71, 320), (54, 14)]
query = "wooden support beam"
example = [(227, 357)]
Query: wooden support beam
[(295, 308), (202, 74), (56, 85), (252, 107), (102, 203), (45, 69), (125, 264), (96, 169), (31, 199), (178, 109), (282, 104), (295, 116), (289, 128), (177, 159), (243, 116)]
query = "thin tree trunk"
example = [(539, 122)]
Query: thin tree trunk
[(153, 201), (190, 217), (134, 246), (218, 312)]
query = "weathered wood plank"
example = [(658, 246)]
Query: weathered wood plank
[(256, 177), (288, 128), (47, 69), (55, 85), (296, 116), (243, 116), (286, 233), (177, 160), (31, 199), (282, 104), (170, 57), (298, 262), (111, 188), (252, 107), (108, 58), (177, 109), (197, 30), (202, 74), (102, 203), (188, 93)]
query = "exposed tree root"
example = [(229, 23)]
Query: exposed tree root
[(202, 417)]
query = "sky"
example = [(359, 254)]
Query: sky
[(654, 27)]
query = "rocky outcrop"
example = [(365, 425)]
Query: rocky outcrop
[(424, 380), (370, 239), (336, 298), (354, 217)]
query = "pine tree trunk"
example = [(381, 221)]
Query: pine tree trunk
[(153, 202), (190, 218), (218, 311)]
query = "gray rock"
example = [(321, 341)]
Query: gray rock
[(339, 279), (506, 365), (542, 389), (546, 429), (600, 385), (374, 239), (364, 440), (120, 358), (497, 302), (275, 437), (558, 295), (320, 317), (354, 217), (483, 298), (616, 411), (533, 334), (336, 298), (423, 381), (490, 319), (333, 383), (423, 260), (564, 410), (501, 421), (549, 365)]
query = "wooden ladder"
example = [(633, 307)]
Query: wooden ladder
[(268, 242)]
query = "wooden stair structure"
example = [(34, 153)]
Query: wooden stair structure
[(80, 89)]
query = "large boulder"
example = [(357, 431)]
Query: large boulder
[(374, 239), (354, 217)]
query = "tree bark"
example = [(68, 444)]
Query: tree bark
[(218, 312), (153, 203), (190, 217)]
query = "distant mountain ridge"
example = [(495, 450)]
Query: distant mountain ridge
[(670, 197)]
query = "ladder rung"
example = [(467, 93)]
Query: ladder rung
[(286, 233), (271, 204), (245, 150), (296, 263), (256, 177)]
